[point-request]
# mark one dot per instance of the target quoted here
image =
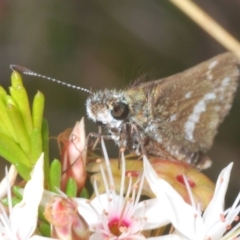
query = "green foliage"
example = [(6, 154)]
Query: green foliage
[(55, 175), (22, 135)]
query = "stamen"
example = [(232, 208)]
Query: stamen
[(98, 160), (119, 218), (129, 187), (123, 229), (232, 232), (139, 189), (117, 227), (122, 150), (222, 217), (108, 166), (5, 221), (93, 208), (189, 192), (228, 227), (95, 187), (236, 202), (105, 182), (123, 165)]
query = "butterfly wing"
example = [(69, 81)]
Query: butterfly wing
[(182, 112)]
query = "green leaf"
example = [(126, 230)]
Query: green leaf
[(37, 110), (19, 128), (71, 188), (55, 175), (84, 193), (23, 171), (14, 200), (45, 229), (20, 97), (3, 93), (45, 148), (17, 191), (13, 153), (16, 79), (36, 145), (5, 123)]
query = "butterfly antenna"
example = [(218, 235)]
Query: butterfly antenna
[(26, 71)]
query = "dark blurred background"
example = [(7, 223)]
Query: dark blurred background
[(107, 44)]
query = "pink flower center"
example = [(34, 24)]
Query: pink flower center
[(117, 226), (181, 180)]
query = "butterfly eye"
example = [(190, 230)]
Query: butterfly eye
[(120, 111)]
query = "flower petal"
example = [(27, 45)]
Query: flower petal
[(158, 185), (216, 205), (24, 215), (91, 208), (176, 208), (12, 174), (154, 220)]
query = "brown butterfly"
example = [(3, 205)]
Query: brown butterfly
[(175, 117)]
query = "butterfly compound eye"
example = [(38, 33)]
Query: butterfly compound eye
[(120, 111)]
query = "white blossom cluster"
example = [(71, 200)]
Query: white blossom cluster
[(116, 216)]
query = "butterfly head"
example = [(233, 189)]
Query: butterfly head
[(107, 107)]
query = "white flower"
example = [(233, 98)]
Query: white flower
[(113, 216), (189, 222), (22, 220), (8, 180)]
